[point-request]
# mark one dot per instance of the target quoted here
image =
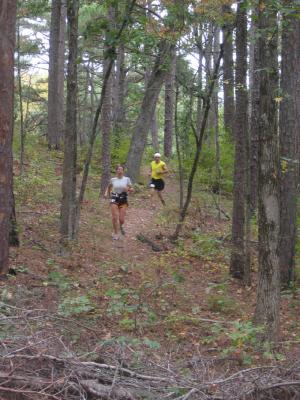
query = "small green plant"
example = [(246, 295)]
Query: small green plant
[(59, 279), (221, 303), (75, 305)]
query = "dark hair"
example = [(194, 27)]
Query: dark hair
[(120, 166)]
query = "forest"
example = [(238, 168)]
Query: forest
[(149, 199)]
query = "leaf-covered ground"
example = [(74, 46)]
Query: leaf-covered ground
[(179, 302)]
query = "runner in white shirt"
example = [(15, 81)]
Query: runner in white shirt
[(117, 191)]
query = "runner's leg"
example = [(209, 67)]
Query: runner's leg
[(115, 217), (159, 193), (122, 214)]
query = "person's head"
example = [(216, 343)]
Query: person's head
[(119, 170), (157, 157)]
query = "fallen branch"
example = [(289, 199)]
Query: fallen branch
[(144, 239)]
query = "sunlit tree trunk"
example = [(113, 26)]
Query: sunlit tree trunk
[(268, 287), (7, 47)]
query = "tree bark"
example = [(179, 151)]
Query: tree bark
[(254, 110), (289, 148), (199, 142), (268, 287), (68, 205), (237, 261), (120, 88), (106, 115), (169, 108), (55, 129), (228, 77), (154, 132), (142, 126), (7, 46)]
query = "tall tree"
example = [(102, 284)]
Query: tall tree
[(169, 108), (107, 110), (228, 75), (7, 46), (68, 205), (154, 84), (289, 146), (254, 101), (237, 261), (55, 128), (268, 287)]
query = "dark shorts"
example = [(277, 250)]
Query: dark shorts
[(119, 200), (159, 184)]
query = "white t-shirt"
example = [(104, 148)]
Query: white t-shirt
[(120, 185)]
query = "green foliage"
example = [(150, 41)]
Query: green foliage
[(75, 305)]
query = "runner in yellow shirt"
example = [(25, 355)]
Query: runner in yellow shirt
[(157, 170)]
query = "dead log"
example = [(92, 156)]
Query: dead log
[(144, 239)]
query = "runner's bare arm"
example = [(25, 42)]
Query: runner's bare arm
[(107, 191)]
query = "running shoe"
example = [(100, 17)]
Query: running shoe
[(114, 236)]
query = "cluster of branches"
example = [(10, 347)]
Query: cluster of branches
[(38, 365)]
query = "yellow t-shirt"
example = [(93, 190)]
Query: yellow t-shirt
[(156, 169)]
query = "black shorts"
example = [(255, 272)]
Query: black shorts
[(159, 184), (119, 199)]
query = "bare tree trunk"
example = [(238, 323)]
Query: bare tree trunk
[(268, 288), (154, 132), (68, 205), (93, 135), (228, 77), (169, 108), (106, 115), (13, 231), (254, 110), (142, 126), (22, 131), (8, 9), (120, 83), (55, 128), (178, 151), (237, 261), (199, 141), (289, 148), (215, 109)]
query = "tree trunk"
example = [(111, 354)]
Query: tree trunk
[(268, 288), (237, 261), (142, 126), (154, 132), (22, 131), (7, 46), (55, 130), (169, 108), (68, 205), (228, 78), (215, 109), (120, 85), (199, 142), (107, 111), (289, 148), (254, 110)]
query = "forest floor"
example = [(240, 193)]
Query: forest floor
[(178, 304)]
